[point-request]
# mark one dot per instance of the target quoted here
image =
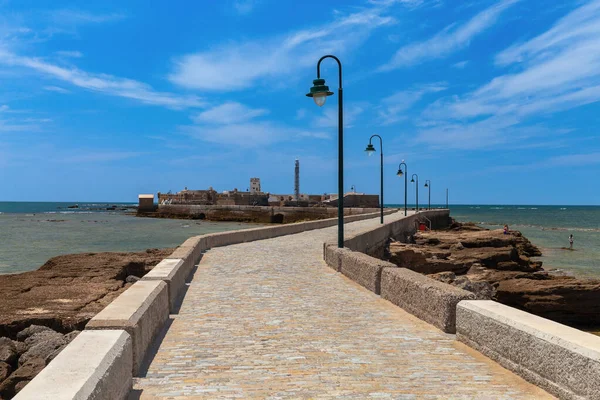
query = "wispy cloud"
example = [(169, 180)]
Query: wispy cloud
[(449, 40), (460, 64), (247, 135), (329, 118), (560, 69), (241, 65), (244, 7), (95, 156), (229, 113), (395, 105), (56, 89), (103, 83), (69, 54), (78, 17), (235, 124)]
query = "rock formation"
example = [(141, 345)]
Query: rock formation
[(497, 266)]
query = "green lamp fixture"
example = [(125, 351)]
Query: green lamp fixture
[(370, 150), (412, 180), (399, 173), (426, 185), (319, 92)]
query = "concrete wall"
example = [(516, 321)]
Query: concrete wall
[(141, 311), (255, 213), (373, 242), (562, 360), (430, 300), (426, 298), (95, 365)]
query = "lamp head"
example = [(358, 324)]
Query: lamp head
[(319, 92), (426, 185), (399, 173), (370, 149), (412, 180)]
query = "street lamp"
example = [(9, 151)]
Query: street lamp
[(417, 187), (405, 173), (370, 150), (428, 186), (319, 93)]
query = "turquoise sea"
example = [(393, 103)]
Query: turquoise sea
[(31, 233)]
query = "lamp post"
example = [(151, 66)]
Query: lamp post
[(428, 186), (319, 93), (417, 187), (370, 150), (405, 173)]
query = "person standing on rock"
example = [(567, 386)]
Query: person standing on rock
[(571, 241)]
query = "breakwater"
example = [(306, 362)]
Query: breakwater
[(256, 214)]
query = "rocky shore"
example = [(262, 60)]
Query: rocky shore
[(501, 267), (42, 311)]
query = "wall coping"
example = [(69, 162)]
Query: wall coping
[(572, 339)]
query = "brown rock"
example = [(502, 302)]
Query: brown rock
[(564, 299), (20, 386), (31, 330), (8, 351), (43, 348), (41, 337), (8, 388), (5, 370), (68, 290)]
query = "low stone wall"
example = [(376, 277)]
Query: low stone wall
[(95, 365), (258, 214), (430, 300), (373, 241), (141, 311), (426, 298), (562, 360)]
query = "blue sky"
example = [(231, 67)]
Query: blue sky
[(495, 100)]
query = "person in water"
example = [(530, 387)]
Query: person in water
[(571, 242)]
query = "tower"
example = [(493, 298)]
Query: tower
[(297, 180), (254, 185)]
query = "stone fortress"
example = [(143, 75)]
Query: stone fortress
[(254, 205), (255, 196)]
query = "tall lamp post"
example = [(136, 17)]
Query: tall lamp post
[(428, 186), (405, 173), (417, 187), (370, 150), (319, 93)]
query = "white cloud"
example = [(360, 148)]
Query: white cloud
[(78, 17), (104, 83), (396, 104), (247, 135), (329, 118), (70, 54), (559, 70), (86, 156), (575, 159), (4, 107), (229, 113), (244, 7), (555, 71), (449, 40), (237, 66), (56, 89), (460, 65)]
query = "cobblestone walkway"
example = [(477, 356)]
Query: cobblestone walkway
[(269, 320)]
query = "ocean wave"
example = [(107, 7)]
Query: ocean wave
[(542, 227)]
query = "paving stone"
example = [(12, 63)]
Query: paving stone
[(269, 320)]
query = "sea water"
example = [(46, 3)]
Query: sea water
[(31, 233), (548, 227)]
